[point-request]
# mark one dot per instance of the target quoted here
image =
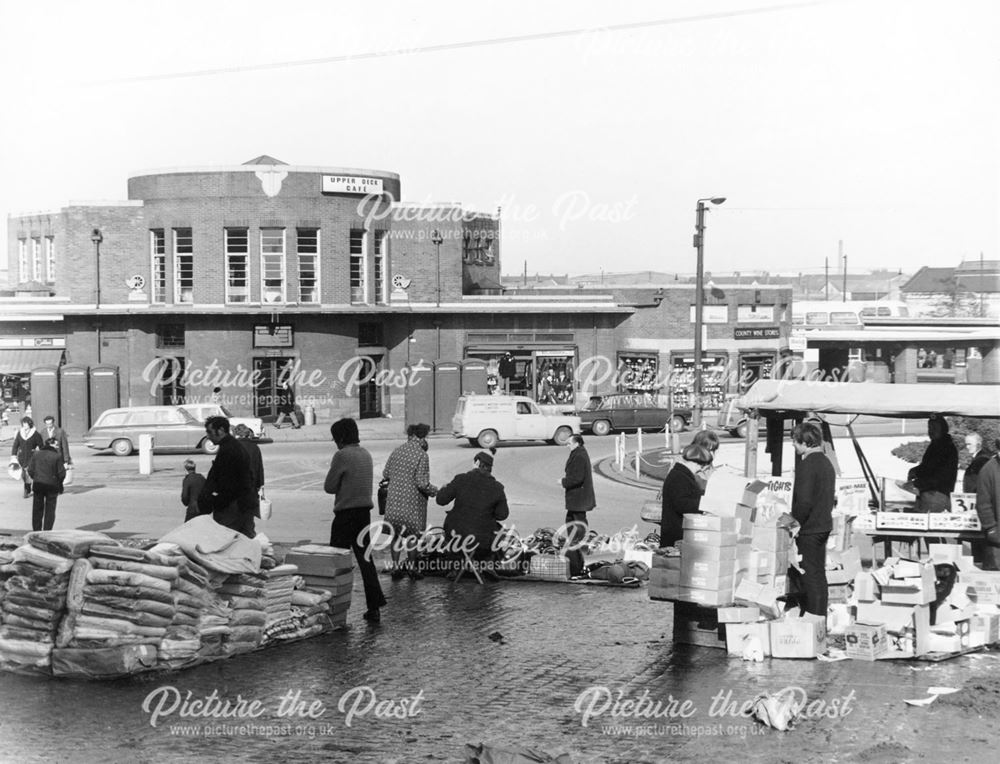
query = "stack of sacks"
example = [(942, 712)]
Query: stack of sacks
[(181, 645), (330, 568), (312, 611), (278, 586), (34, 599), (244, 593)]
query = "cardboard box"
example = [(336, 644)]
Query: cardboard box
[(901, 521), (866, 641), (710, 523), (710, 538), (644, 556), (721, 584), (838, 593), (739, 614), (982, 587), (984, 629), (706, 597), (663, 577), (316, 560), (664, 592), (694, 552), (707, 568), (848, 566), (907, 569), (690, 633), (954, 521), (752, 492), (763, 562), (759, 595), (771, 539), (738, 634), (907, 628), (803, 637), (865, 587)]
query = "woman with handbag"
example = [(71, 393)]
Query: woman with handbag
[(27, 441), (682, 491), (407, 479)]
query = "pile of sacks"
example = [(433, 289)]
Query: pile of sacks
[(244, 593), (279, 584)]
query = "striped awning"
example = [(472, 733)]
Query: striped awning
[(17, 361)]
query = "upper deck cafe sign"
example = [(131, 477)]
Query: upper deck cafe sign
[(350, 184)]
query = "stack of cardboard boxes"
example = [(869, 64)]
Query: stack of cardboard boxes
[(329, 568)]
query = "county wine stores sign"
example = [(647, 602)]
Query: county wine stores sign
[(756, 333)]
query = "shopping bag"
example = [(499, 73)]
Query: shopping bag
[(652, 511), (383, 496), (265, 509), (68, 480)]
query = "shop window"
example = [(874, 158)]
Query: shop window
[(36, 259), (379, 251), (638, 373), (158, 265), (237, 243), (170, 336), (272, 264), (554, 379), (50, 259), (713, 382), (358, 271), (171, 392), (307, 250), (22, 260), (939, 358), (183, 265)]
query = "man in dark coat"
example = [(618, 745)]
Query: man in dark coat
[(813, 493), (937, 472), (228, 493), (579, 484), (480, 504), (47, 472), (245, 438)]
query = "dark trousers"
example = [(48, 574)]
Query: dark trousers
[(812, 547), (43, 507), (576, 530), (349, 530)]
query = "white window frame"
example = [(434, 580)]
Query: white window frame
[(180, 257), (158, 288), (36, 259), (22, 260), (269, 294), (380, 263), (314, 256), (236, 294), (50, 259), (361, 290), (751, 314)]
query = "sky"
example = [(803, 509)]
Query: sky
[(864, 126)]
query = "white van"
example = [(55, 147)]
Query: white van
[(488, 419)]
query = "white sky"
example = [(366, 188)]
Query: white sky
[(874, 122)]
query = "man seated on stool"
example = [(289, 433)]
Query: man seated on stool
[(480, 504)]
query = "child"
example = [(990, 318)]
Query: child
[(190, 488)]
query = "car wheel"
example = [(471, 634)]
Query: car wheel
[(122, 447), (488, 439), (562, 435), (601, 427), (473, 442), (677, 423), (209, 447), (743, 430)]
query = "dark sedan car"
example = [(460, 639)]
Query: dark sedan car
[(630, 411)]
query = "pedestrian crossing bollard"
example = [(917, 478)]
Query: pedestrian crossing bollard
[(146, 443)]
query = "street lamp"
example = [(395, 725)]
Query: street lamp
[(437, 240), (699, 302), (97, 238)]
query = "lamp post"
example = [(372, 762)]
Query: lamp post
[(699, 302), (437, 240), (97, 238)]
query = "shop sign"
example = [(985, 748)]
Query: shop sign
[(351, 184), (756, 333), (712, 314), (273, 336), (797, 344)]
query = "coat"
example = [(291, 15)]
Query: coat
[(256, 470), (192, 486), (229, 493), (59, 434), (23, 446), (408, 473), (681, 495), (813, 493), (480, 504), (938, 469), (46, 468), (579, 482)]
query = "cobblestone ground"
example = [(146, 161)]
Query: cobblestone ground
[(557, 641)]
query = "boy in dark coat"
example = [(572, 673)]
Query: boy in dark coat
[(813, 493), (193, 484)]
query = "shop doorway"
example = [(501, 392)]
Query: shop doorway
[(369, 393), (270, 396), (754, 367)]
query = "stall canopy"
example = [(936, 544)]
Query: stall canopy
[(13, 361), (889, 400)]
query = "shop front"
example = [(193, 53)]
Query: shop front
[(538, 365)]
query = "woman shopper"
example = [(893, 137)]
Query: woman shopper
[(407, 472), (682, 490), (26, 441)]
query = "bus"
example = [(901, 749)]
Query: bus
[(822, 314)]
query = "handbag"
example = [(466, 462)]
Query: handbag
[(68, 480), (383, 495)]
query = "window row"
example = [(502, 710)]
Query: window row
[(275, 243), (32, 264)]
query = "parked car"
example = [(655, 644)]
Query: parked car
[(172, 428), (489, 419), (202, 411), (735, 421), (630, 411)]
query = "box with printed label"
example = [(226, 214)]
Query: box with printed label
[(955, 521), (712, 568), (736, 614), (738, 635), (984, 629), (711, 581), (715, 523), (663, 577), (866, 641), (838, 593), (707, 597), (666, 562), (752, 492), (911, 591), (982, 586), (692, 552), (901, 521), (765, 563), (710, 538), (803, 637)]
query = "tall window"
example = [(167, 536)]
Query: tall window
[(379, 246), (359, 275), (22, 260), (50, 259), (307, 248), (272, 264), (237, 261), (158, 264), (183, 265), (36, 259)]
